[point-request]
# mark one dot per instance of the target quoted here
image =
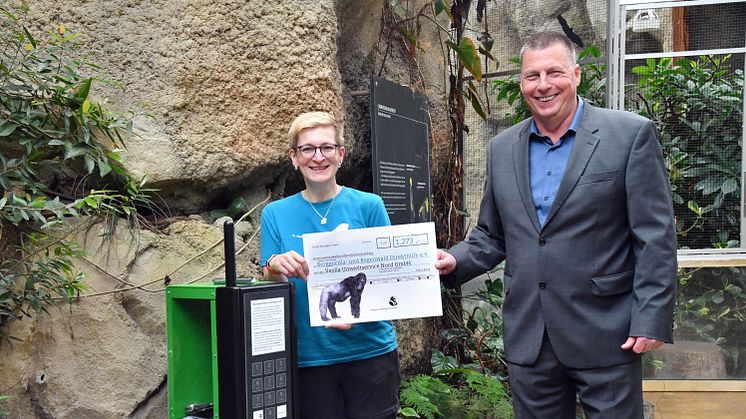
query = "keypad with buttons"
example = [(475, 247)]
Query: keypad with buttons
[(269, 393)]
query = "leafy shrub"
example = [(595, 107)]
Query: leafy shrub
[(698, 107), (49, 133), (472, 387), (481, 334), (455, 393)]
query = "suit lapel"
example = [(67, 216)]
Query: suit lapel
[(521, 170), (582, 150)]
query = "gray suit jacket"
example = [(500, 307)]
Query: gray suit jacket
[(603, 265)]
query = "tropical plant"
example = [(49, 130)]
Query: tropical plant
[(3, 399), (471, 387), (711, 307), (50, 134), (463, 55), (454, 393), (480, 333), (698, 108)]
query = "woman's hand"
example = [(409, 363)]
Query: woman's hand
[(286, 265), (339, 326)]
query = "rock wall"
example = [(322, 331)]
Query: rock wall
[(220, 81), (104, 356)]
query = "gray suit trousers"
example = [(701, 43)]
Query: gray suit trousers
[(547, 389)]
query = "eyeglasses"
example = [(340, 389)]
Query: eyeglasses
[(308, 151)]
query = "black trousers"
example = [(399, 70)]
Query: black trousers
[(365, 389), (547, 389)]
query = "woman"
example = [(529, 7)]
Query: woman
[(345, 371)]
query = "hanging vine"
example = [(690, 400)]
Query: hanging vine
[(461, 55), (463, 69)]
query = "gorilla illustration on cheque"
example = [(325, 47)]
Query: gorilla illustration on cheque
[(350, 287)]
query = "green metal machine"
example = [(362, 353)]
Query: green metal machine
[(191, 330)]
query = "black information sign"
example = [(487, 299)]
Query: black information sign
[(401, 153)]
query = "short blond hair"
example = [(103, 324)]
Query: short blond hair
[(313, 120)]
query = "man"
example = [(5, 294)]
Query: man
[(577, 202)]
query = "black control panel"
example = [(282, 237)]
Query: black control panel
[(257, 365), (257, 351)]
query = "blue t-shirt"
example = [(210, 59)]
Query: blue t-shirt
[(283, 224)]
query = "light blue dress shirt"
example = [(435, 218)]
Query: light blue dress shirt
[(547, 162)]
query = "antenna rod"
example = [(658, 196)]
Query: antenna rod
[(230, 254)]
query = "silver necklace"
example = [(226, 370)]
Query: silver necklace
[(323, 217)]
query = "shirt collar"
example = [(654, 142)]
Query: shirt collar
[(573, 125)]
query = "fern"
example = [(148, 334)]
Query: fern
[(426, 395), (490, 396)]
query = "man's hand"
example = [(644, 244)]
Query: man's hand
[(445, 263), (641, 344)]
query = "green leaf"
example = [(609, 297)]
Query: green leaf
[(469, 57), (694, 207), (69, 37), (641, 70), (77, 150), (89, 163), (3, 201), (8, 129), (440, 361), (723, 312), (12, 17), (114, 155), (103, 168), (487, 54), (82, 92), (730, 288), (729, 186), (38, 202), (472, 87), (30, 37), (408, 412), (718, 297), (91, 202), (17, 200), (477, 105), (440, 5)]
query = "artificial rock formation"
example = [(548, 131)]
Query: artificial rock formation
[(219, 80)]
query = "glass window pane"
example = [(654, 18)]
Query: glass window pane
[(710, 320), (697, 102)]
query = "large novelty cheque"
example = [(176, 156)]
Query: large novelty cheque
[(369, 274)]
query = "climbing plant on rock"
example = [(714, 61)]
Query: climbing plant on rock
[(59, 160)]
